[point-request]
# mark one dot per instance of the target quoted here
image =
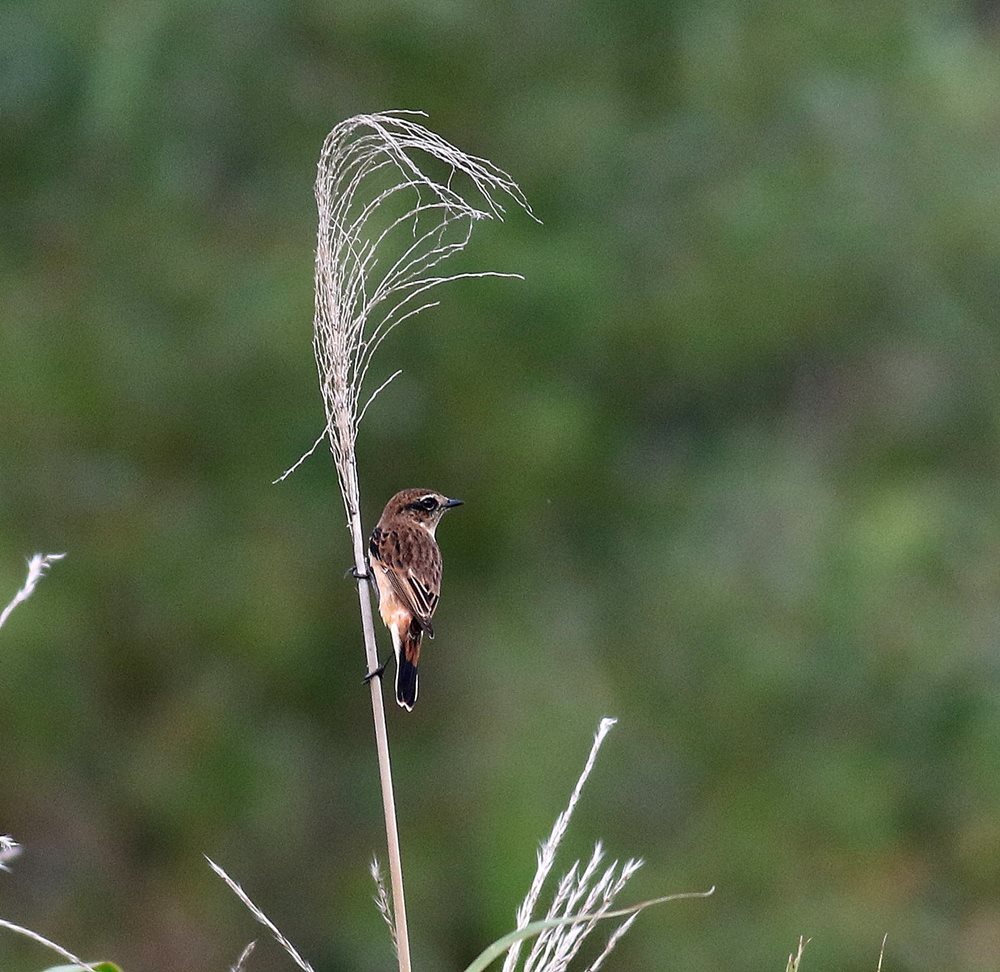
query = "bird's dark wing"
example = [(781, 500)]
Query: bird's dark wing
[(424, 591), (378, 537), (412, 563)]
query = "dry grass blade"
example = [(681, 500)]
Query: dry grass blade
[(613, 939), (261, 917), (37, 566), (241, 962), (794, 960), (42, 940)]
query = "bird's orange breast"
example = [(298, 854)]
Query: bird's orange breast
[(395, 614)]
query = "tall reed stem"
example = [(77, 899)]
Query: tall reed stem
[(381, 737), (384, 227)]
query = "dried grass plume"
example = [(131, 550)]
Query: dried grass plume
[(37, 567), (385, 224)]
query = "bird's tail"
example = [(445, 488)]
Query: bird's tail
[(407, 659)]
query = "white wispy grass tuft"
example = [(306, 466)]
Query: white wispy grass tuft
[(42, 940), (583, 898), (37, 566), (261, 917), (581, 892), (384, 226), (382, 902), (547, 851), (9, 849)]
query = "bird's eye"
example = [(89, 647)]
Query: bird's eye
[(428, 503)]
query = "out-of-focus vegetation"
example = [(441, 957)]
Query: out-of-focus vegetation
[(729, 456)]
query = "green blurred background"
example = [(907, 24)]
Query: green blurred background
[(729, 456)]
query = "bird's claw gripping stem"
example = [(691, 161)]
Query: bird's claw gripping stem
[(378, 671)]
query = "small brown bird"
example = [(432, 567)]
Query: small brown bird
[(406, 563)]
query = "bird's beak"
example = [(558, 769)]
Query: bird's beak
[(452, 502)]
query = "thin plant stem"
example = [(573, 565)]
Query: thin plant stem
[(381, 738)]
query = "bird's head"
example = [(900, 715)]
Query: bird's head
[(422, 506)]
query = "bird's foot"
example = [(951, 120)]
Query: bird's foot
[(357, 574), (378, 671), (375, 674)]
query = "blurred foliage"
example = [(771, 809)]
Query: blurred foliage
[(729, 457)]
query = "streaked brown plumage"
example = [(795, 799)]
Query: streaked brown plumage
[(406, 563)]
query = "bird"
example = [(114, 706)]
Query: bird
[(406, 564)]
